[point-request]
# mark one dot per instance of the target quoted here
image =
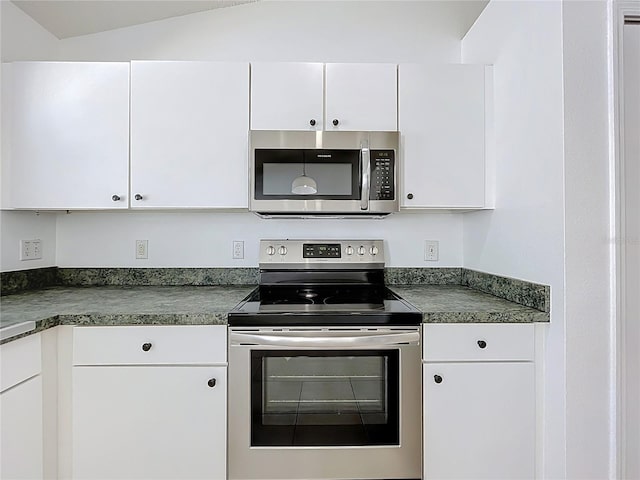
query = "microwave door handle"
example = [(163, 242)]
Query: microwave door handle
[(370, 341), (366, 175)]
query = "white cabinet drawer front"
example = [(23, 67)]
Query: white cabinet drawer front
[(20, 359), (477, 342), (142, 345)]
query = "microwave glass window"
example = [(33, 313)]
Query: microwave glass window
[(334, 174), (330, 178)]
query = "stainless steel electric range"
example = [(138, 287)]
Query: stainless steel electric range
[(324, 368)]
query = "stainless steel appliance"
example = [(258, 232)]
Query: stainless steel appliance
[(323, 173), (324, 368)]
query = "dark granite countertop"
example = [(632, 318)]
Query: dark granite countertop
[(460, 304), (33, 311), (171, 305)]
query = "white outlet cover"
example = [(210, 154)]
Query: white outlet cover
[(142, 249)]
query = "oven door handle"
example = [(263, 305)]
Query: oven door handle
[(352, 341)]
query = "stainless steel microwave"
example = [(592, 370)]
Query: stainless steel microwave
[(316, 173)]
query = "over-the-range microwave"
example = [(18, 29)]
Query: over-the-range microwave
[(323, 173)]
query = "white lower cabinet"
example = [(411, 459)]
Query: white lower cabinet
[(146, 419), (479, 413), (21, 432)]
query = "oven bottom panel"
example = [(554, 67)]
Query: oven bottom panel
[(343, 464)]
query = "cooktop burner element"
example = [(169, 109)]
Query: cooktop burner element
[(322, 282)]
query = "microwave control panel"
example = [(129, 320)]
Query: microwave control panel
[(382, 175)]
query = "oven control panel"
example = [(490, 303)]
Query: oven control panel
[(321, 254)]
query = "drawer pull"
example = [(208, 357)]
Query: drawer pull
[(437, 378), (482, 344), (212, 382), (146, 347)]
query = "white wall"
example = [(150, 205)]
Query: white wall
[(523, 237), (358, 31), (16, 226), (201, 239), (22, 38), (588, 240)]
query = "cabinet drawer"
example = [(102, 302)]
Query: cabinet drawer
[(444, 342), (20, 359), (142, 345)]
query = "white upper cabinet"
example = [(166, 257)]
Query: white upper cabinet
[(361, 97), (189, 125), (286, 96), (442, 112), (314, 96), (69, 135)]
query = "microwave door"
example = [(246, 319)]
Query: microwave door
[(366, 176)]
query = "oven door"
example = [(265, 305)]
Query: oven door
[(324, 403)]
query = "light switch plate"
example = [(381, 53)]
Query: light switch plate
[(431, 250)]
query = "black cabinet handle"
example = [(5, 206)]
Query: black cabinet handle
[(410, 196), (312, 122), (212, 382), (146, 347), (138, 196), (437, 378), (482, 344), (335, 122), (115, 198)]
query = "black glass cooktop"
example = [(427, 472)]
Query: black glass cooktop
[(272, 305)]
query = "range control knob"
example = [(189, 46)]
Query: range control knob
[(271, 250), (361, 250), (282, 250), (373, 250), (349, 250)]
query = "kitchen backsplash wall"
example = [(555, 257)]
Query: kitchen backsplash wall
[(16, 226), (205, 239)]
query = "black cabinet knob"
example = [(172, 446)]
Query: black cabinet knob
[(335, 122), (212, 382), (437, 378), (312, 122), (146, 347), (482, 344), (138, 196), (410, 196), (115, 198)]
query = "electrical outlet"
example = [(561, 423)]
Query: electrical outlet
[(36, 249), (238, 249), (142, 249), (30, 249), (431, 250)]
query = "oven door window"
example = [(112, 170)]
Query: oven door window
[(325, 398), (336, 174)]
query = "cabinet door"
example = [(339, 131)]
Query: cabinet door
[(286, 96), (21, 442), (361, 96), (479, 421), (189, 124), (149, 422), (442, 120), (70, 135)]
